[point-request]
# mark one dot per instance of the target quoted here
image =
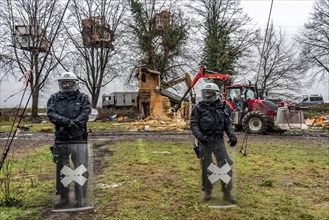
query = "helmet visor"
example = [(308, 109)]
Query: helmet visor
[(67, 85), (209, 95)]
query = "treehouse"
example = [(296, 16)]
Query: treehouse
[(96, 33), (28, 37), (161, 22)]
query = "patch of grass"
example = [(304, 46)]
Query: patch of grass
[(268, 183), (161, 181), (104, 126), (296, 176), (157, 181), (31, 183), (5, 126)]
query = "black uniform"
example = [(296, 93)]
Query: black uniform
[(69, 112), (208, 123)]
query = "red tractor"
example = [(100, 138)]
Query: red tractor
[(249, 112)]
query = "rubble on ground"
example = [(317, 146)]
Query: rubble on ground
[(320, 121), (150, 124)]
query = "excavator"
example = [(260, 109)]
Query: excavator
[(251, 113), (186, 79)]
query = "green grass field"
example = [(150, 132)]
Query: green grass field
[(279, 179)]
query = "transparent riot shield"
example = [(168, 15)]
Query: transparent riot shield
[(74, 175), (217, 174)]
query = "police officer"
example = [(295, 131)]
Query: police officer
[(209, 120), (69, 110)]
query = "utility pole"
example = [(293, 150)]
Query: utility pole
[(0, 93)]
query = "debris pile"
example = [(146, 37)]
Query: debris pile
[(320, 121), (157, 109), (150, 124)]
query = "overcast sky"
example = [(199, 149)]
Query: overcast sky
[(289, 15)]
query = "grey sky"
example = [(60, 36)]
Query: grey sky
[(289, 15)]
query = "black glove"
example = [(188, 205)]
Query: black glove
[(64, 121), (204, 140), (196, 150), (73, 126), (233, 141), (78, 123)]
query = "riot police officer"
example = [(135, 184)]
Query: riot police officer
[(209, 120), (69, 110)]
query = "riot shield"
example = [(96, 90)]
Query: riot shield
[(217, 175), (74, 175)]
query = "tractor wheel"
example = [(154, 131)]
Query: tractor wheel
[(255, 122)]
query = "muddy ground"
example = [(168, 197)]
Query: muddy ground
[(101, 140)]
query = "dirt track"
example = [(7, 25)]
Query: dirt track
[(25, 141), (161, 135)]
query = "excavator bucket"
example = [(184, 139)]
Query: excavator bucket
[(290, 117)]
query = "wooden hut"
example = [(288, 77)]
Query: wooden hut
[(155, 102), (149, 85)]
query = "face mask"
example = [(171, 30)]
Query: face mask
[(209, 96), (67, 86)]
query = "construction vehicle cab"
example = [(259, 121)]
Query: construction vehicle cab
[(238, 94)]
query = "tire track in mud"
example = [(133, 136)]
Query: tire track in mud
[(159, 135)]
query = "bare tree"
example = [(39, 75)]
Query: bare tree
[(6, 61), (95, 32), (280, 70), (226, 36), (160, 34), (30, 28), (314, 39)]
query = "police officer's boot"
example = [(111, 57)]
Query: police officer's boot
[(227, 193), (79, 195), (63, 201), (207, 195)]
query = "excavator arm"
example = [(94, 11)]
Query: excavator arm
[(206, 74), (186, 79)]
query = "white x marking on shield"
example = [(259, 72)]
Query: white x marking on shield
[(74, 175), (219, 173)]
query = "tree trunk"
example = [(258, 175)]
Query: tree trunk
[(35, 90), (35, 100), (94, 102), (96, 97), (93, 96)]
